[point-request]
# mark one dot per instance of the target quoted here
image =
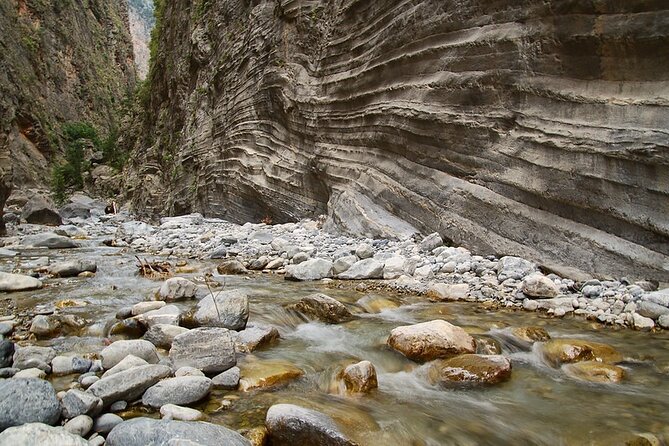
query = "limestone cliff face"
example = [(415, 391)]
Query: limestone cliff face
[(60, 61), (511, 127), (140, 15)]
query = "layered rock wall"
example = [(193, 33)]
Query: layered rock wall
[(511, 127)]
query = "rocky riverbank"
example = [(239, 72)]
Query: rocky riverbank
[(196, 337)]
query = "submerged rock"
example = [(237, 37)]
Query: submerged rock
[(27, 401), (431, 340), (267, 373), (232, 267), (174, 412), (254, 337), (147, 431), (595, 372), (290, 425), (562, 351), (470, 369), (323, 308), (228, 380)]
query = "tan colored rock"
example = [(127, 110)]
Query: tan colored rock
[(360, 377), (266, 374), (258, 436), (530, 334), (376, 304), (324, 308), (564, 351), (431, 340), (538, 285), (445, 291), (470, 369), (595, 372)]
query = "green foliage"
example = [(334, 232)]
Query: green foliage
[(75, 131), (112, 153)]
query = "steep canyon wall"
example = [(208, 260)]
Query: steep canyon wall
[(510, 127)]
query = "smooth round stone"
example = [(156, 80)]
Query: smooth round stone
[(31, 373), (80, 425), (118, 406), (595, 372), (174, 412), (40, 434), (105, 423), (470, 369), (27, 401), (179, 390)]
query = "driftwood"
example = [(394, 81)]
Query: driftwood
[(154, 270)]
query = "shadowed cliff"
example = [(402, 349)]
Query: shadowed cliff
[(529, 128)]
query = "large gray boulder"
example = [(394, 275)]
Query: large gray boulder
[(27, 401), (18, 282), (510, 267), (227, 309), (129, 384), (147, 431), (290, 425), (314, 269), (39, 210), (33, 356), (114, 353), (162, 335), (72, 268), (32, 434), (182, 390), (363, 269), (177, 288), (209, 349), (49, 240)]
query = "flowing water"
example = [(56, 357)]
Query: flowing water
[(539, 405)]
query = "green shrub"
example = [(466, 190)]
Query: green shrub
[(69, 174)]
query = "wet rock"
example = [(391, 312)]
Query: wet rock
[(231, 268), (314, 269), (174, 412), (44, 326), (431, 340), (80, 425), (663, 321), (266, 374), (323, 308), (144, 307), (76, 402), (41, 211), (254, 337), (431, 242), (290, 425), (18, 282), (27, 401), (444, 291), (530, 334), (363, 269), (487, 346), (227, 309), (6, 327), (33, 356), (162, 335), (72, 268), (177, 288), (106, 422), (6, 353), (179, 390), (360, 377), (39, 434), (228, 380), (146, 431), (49, 240), (128, 327), (595, 372), (258, 436), (65, 365), (538, 285), (128, 384), (209, 349), (376, 304), (114, 353), (510, 267), (563, 351), (167, 315), (470, 369)]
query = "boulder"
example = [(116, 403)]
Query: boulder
[(147, 431), (254, 337), (27, 401), (530, 334), (33, 356), (72, 268), (290, 425), (431, 340), (115, 352), (162, 335), (231, 268), (226, 309), (398, 266), (144, 307), (363, 269), (18, 282), (6, 353), (595, 372), (431, 242), (44, 326), (179, 390), (126, 363), (359, 377), (209, 349), (343, 264), (663, 321), (106, 422), (470, 369), (376, 304), (49, 240), (76, 402), (41, 211), (445, 291), (167, 315), (510, 267), (538, 285), (39, 434), (177, 288), (267, 374), (228, 380), (323, 308), (563, 351), (174, 412), (660, 297), (128, 384), (651, 309), (31, 373), (75, 210), (364, 251), (642, 323), (314, 269)]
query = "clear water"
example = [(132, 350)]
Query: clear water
[(539, 405)]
